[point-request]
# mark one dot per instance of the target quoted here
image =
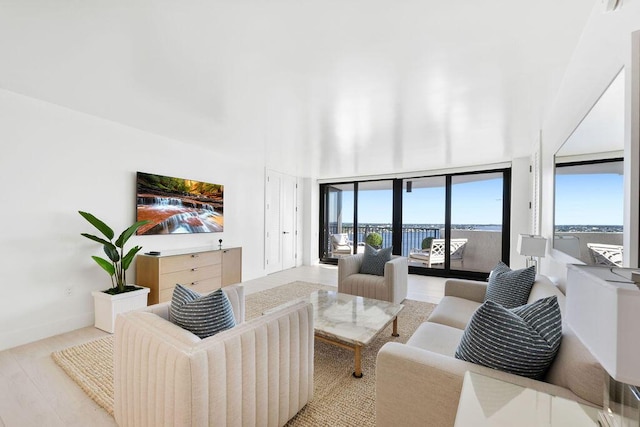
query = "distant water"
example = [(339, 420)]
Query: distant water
[(589, 228), (413, 234)]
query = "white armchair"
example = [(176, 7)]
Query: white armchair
[(391, 287), (258, 373)]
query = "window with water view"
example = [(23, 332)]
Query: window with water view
[(448, 222), (589, 211)]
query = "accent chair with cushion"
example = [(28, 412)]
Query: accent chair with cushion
[(258, 372), (390, 284)]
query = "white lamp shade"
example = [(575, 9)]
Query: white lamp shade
[(603, 309), (530, 245)]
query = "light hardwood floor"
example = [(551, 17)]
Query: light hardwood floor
[(34, 391)]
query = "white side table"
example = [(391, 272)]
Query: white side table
[(487, 401)]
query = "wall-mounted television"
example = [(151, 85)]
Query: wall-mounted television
[(177, 205)]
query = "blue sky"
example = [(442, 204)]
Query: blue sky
[(589, 199), (477, 202), (582, 199)]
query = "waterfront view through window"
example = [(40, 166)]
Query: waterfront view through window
[(470, 239), (589, 211)]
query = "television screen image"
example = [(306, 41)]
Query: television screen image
[(178, 206)]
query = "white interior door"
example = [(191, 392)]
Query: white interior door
[(273, 250), (288, 209), (280, 221)]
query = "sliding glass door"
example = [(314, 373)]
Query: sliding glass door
[(451, 224), (423, 220), (375, 212), (477, 209), (337, 232)]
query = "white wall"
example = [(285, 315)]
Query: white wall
[(54, 162), (604, 48), (520, 212)]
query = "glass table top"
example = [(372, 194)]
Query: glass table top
[(487, 401), (348, 318)]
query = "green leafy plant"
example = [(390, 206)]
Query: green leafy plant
[(118, 262), (374, 239), (426, 242)]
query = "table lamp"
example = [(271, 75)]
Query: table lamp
[(532, 247)]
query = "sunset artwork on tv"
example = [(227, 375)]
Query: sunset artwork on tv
[(178, 206)]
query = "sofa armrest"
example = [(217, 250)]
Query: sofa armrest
[(415, 386), (235, 293), (395, 274), (473, 290), (348, 265)]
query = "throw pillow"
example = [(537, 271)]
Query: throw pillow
[(510, 288), (202, 315), (374, 260), (523, 340)]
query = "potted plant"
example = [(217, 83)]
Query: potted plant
[(121, 297), (374, 239)]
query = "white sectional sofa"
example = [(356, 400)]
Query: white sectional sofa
[(258, 373), (419, 383)]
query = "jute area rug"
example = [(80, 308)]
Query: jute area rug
[(339, 399)]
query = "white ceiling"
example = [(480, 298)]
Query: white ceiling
[(602, 129), (332, 88)]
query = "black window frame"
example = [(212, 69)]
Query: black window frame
[(397, 186)]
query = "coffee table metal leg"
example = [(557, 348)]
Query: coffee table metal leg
[(357, 361), (395, 328)]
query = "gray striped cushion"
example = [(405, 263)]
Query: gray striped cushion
[(523, 340), (202, 315), (374, 260), (510, 288)]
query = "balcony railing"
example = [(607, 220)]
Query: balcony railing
[(412, 236)]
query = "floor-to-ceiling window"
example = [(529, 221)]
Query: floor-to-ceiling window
[(337, 237), (589, 201), (423, 219), (451, 224), (375, 214), (477, 210)]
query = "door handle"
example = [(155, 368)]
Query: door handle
[(285, 232)]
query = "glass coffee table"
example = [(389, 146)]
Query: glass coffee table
[(349, 321)]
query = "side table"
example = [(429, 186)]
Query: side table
[(486, 401)]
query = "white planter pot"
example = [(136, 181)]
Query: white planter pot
[(108, 306)]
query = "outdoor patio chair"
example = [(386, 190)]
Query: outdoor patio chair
[(340, 244), (603, 254), (435, 254)]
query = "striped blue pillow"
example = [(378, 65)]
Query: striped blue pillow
[(523, 340), (510, 288), (202, 315)]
